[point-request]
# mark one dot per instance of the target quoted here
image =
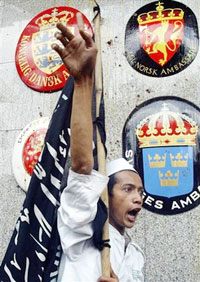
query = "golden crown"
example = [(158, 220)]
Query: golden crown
[(161, 14), (157, 160), (179, 160), (166, 128), (169, 179), (49, 20)]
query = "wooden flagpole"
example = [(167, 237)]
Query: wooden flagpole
[(100, 146)]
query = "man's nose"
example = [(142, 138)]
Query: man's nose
[(137, 197)]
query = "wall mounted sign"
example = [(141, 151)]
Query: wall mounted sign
[(161, 38), (38, 65), (27, 149), (161, 139)]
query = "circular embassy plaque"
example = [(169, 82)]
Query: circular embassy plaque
[(161, 38), (38, 65), (161, 139), (27, 150)]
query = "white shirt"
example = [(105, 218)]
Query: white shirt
[(81, 261)]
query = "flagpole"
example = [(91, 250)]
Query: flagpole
[(100, 147)]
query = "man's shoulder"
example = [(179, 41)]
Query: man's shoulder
[(137, 248), (93, 174)]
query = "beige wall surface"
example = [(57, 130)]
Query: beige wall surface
[(171, 243)]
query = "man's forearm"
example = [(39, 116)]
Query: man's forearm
[(79, 55), (81, 126)]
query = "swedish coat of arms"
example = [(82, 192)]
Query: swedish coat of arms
[(161, 140), (167, 140)]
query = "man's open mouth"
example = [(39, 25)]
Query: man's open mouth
[(134, 212)]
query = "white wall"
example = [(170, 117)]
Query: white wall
[(171, 243)]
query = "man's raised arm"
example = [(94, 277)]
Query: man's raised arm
[(79, 56)]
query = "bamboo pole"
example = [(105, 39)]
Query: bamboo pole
[(100, 147)]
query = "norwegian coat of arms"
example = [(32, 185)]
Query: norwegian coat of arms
[(158, 39), (163, 145)]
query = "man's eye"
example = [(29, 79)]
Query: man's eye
[(127, 188)]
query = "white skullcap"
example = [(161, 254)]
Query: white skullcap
[(118, 165)]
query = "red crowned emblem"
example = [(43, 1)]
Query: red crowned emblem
[(161, 32), (32, 149), (38, 65), (27, 150)]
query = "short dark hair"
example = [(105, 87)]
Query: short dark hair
[(112, 181)]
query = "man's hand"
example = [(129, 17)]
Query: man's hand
[(113, 278), (78, 52)]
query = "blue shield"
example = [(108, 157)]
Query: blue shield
[(168, 171)]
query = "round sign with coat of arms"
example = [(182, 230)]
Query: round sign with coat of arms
[(38, 65), (162, 38), (27, 150), (161, 139)]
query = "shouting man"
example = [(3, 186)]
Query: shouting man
[(81, 261)]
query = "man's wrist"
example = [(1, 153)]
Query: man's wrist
[(83, 80)]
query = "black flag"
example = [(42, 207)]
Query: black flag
[(34, 251)]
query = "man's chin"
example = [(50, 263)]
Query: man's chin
[(130, 224), (130, 221)]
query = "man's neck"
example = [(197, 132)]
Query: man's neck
[(119, 228)]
